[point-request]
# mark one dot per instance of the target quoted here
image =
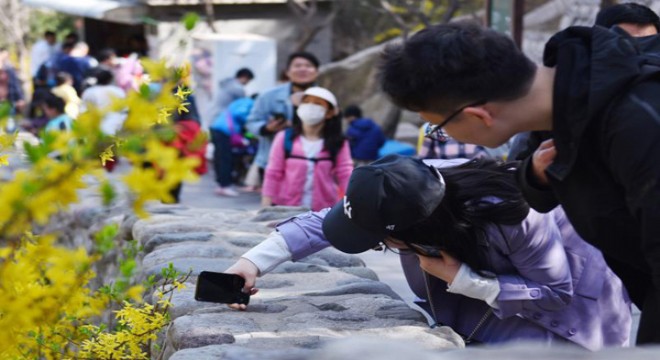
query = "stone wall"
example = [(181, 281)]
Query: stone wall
[(327, 307), (300, 306)]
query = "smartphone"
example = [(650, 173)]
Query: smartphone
[(221, 288), (279, 117)]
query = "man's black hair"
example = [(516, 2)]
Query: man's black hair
[(68, 45), (447, 66), (105, 54), (245, 72), (627, 13), (104, 76), (72, 37), (305, 55), (62, 77), (54, 102), (49, 33), (353, 110)]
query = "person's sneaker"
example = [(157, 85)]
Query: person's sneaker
[(226, 191)]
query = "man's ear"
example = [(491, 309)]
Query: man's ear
[(481, 113)]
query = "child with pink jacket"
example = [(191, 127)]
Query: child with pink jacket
[(310, 162)]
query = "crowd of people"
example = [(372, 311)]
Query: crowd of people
[(66, 81)]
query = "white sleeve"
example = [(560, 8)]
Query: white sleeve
[(471, 284), (269, 253)]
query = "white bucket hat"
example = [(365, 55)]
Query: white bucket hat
[(322, 93)]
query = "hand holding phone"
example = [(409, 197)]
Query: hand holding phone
[(221, 288)]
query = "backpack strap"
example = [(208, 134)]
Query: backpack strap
[(288, 142), (288, 146)]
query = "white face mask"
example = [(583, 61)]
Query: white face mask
[(311, 114)]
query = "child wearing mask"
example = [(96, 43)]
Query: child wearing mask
[(310, 162)]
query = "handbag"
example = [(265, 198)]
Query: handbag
[(236, 140)]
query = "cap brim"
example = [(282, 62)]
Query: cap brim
[(345, 235)]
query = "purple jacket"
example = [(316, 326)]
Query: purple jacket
[(553, 285)]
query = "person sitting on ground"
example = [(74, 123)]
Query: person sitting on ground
[(53, 108), (364, 135), (478, 259), (310, 163)]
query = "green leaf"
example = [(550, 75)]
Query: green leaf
[(145, 91), (5, 109), (105, 238), (189, 20), (127, 267), (108, 193)]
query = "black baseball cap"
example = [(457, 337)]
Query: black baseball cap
[(390, 194)]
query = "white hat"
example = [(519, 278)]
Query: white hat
[(322, 93)]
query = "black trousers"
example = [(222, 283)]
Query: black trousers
[(223, 160), (644, 295)]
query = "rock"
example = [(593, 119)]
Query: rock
[(195, 265), (185, 250), (270, 283), (233, 352), (144, 230), (244, 240), (199, 330), (126, 227), (291, 267), (335, 258), (364, 273), (399, 311), (162, 239), (354, 80), (279, 213), (359, 287)]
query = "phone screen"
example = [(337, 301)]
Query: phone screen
[(220, 288)]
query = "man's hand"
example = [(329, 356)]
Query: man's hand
[(249, 272), (275, 125), (541, 159), (444, 268)]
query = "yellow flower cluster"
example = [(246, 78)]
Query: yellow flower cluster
[(47, 308), (139, 326), (44, 296)]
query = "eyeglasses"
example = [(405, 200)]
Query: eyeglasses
[(435, 132), (419, 249)]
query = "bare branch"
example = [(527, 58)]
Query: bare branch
[(298, 8), (399, 20), (452, 8), (210, 15), (310, 27)]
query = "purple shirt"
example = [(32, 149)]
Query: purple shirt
[(553, 285)]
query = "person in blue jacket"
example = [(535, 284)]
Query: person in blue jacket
[(364, 135), (226, 133)]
